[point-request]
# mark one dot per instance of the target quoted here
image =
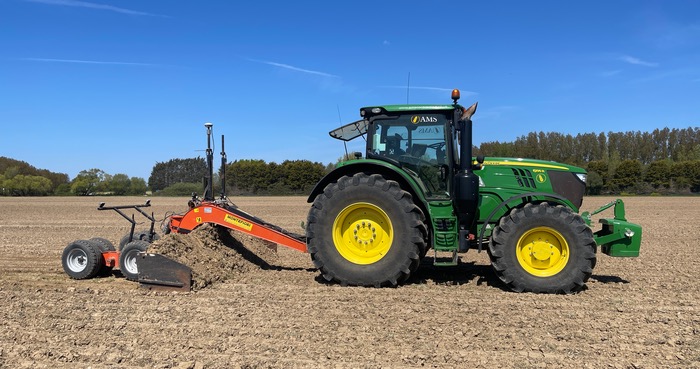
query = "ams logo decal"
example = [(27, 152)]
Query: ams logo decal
[(421, 119)]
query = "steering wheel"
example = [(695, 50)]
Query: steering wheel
[(437, 145)]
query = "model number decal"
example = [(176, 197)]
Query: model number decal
[(238, 222)]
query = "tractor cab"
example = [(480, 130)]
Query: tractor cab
[(418, 138)]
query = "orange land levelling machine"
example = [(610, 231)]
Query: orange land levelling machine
[(83, 259)]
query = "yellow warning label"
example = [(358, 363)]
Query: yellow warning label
[(198, 219), (238, 222)]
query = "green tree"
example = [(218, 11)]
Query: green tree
[(685, 176), (594, 183), (11, 167), (87, 182), (627, 174), (120, 184), (301, 175), (181, 189), (138, 186), (250, 175), (21, 185), (177, 170), (658, 174)]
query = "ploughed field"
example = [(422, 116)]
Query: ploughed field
[(270, 310)]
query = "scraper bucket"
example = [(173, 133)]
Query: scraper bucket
[(157, 272)]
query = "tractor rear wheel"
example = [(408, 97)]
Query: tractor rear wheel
[(127, 259), (365, 230), (543, 248), (81, 259)]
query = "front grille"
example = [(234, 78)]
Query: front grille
[(524, 178), (568, 185)]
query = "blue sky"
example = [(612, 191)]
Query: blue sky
[(120, 85)]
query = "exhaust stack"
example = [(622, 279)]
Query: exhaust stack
[(466, 183)]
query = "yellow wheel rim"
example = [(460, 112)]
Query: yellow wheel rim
[(542, 252), (362, 233)]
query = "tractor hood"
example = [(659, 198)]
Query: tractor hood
[(529, 175), (532, 163)]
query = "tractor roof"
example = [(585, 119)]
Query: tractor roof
[(356, 129), (407, 108)]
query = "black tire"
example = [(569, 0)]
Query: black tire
[(544, 249), (104, 245), (389, 255), (127, 259), (82, 259), (138, 236)]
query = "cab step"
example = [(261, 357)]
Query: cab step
[(445, 258)]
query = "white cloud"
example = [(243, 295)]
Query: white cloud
[(610, 73), (85, 4), (637, 61), (86, 61), (296, 69)]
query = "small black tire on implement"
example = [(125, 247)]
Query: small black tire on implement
[(82, 259), (365, 230), (138, 236), (543, 248), (127, 259), (104, 245)]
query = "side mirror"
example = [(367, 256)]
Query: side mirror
[(469, 112)]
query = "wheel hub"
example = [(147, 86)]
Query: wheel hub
[(362, 233), (77, 260), (542, 251)]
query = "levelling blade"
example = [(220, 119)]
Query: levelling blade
[(157, 272)]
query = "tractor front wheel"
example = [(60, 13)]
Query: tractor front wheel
[(543, 248), (365, 230)]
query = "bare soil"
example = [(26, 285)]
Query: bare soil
[(254, 308)]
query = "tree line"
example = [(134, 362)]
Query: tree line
[(664, 161), (181, 177), (18, 178)]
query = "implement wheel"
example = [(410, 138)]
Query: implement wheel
[(81, 259), (365, 230), (543, 248), (104, 245), (143, 235), (127, 259)]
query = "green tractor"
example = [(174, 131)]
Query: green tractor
[(418, 188)]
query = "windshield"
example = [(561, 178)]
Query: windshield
[(417, 142)]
